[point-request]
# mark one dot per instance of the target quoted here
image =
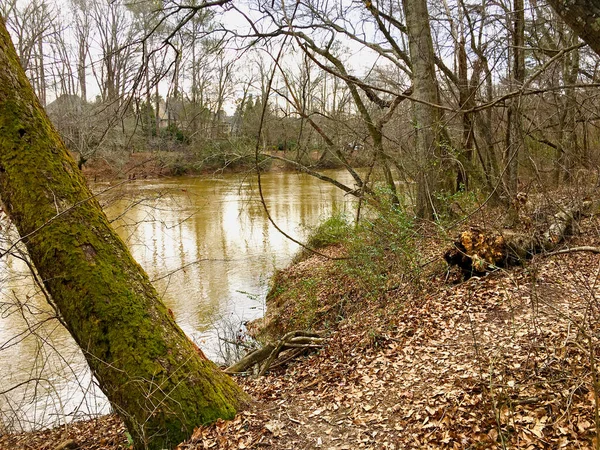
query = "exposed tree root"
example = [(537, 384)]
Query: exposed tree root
[(290, 346), (477, 251)]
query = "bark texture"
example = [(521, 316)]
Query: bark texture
[(425, 91), (583, 16), (144, 363)]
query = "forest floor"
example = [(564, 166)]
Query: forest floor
[(505, 360)]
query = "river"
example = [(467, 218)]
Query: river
[(210, 250)]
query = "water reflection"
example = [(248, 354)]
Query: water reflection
[(210, 250)]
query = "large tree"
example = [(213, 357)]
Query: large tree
[(514, 137), (583, 16), (426, 115), (153, 375)]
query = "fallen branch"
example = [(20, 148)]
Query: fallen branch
[(297, 342), (584, 248), (287, 356)]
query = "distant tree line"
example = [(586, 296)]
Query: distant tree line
[(446, 97)]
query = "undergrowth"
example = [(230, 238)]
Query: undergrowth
[(367, 261), (382, 252), (332, 230)]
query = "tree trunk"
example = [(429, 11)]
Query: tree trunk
[(150, 371), (81, 69), (425, 90), (158, 115), (583, 17), (569, 152), (489, 161), (466, 101), (514, 138)]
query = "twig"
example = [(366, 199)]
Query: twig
[(584, 248), (241, 344)]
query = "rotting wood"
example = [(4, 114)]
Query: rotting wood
[(477, 251), (297, 342)]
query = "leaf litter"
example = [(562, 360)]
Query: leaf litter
[(508, 360)]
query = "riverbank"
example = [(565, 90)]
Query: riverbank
[(142, 166), (153, 165), (412, 359)]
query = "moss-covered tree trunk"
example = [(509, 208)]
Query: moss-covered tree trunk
[(151, 373)]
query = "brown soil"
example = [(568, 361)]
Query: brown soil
[(501, 361)]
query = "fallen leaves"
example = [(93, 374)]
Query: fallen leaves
[(106, 432), (501, 361)]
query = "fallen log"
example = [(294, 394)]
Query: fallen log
[(477, 251), (293, 343)]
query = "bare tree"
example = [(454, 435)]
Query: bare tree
[(33, 23)]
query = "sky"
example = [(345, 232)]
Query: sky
[(359, 59)]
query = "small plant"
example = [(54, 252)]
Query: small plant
[(455, 205), (332, 231), (129, 438)]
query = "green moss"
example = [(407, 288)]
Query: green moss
[(144, 363)]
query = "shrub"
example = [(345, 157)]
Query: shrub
[(333, 230), (382, 253)]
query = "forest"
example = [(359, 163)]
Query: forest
[(455, 305), (510, 88)]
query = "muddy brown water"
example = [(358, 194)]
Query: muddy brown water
[(208, 246)]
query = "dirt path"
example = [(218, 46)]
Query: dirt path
[(498, 362)]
